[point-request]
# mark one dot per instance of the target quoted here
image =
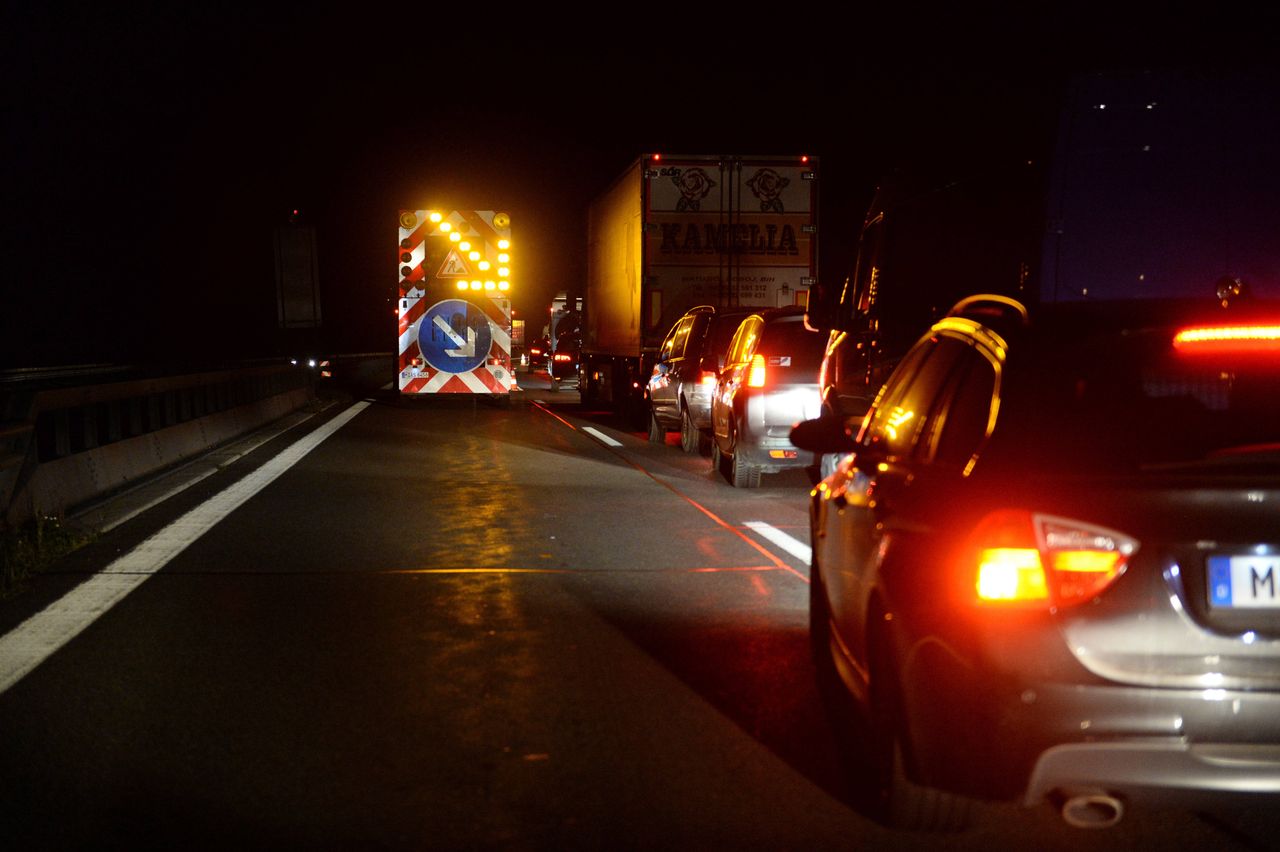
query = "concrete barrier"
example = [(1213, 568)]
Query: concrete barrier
[(88, 442)]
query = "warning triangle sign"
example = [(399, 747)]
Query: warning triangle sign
[(453, 267)]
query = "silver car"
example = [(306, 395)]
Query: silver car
[(769, 383), (679, 390), (1049, 570)]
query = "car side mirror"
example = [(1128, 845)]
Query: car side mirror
[(827, 434)]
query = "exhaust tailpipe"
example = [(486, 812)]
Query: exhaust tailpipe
[(1094, 809)]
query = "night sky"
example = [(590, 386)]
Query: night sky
[(151, 149)]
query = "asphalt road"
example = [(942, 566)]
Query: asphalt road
[(459, 625)]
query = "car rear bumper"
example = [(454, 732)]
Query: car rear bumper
[(1027, 741), (1168, 771)]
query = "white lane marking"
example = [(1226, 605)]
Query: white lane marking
[(791, 545), (224, 459), (36, 639), (600, 436)]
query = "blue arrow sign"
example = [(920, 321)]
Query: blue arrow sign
[(454, 336)]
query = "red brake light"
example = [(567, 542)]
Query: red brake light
[(1024, 558), (756, 375), (1234, 339)]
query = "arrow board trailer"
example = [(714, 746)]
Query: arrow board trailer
[(454, 303)]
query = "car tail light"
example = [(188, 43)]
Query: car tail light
[(707, 379), (756, 375), (1030, 559), (560, 357)]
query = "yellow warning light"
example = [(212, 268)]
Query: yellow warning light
[(434, 216), (504, 258), (462, 285), (475, 255), (503, 271), (504, 285), (504, 244), (475, 285), (454, 237), (484, 264), (490, 285), (445, 226), (465, 246)]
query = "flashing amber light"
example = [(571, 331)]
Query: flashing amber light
[(475, 255), (462, 285), (504, 258), (463, 246), (491, 285), (756, 375), (434, 217), (455, 237), (504, 285), (504, 244), (1238, 339), (1037, 559), (446, 227), (476, 285), (484, 265)]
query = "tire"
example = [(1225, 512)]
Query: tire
[(820, 633), (903, 803), (691, 439), (657, 434), (743, 475), (717, 458)]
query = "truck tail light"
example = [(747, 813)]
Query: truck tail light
[(1043, 560), (756, 374)]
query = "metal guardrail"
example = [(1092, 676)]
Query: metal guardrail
[(73, 433)]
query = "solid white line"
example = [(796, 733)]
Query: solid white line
[(791, 545), (600, 436), (32, 642)]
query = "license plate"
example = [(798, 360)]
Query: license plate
[(1244, 581)]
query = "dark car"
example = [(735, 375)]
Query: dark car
[(768, 384), (679, 390), (1050, 567), (565, 356), (539, 352)]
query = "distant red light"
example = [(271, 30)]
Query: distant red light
[(657, 157), (805, 158)]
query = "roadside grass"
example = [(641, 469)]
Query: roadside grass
[(33, 547)]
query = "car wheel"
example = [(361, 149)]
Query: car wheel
[(657, 434), (690, 437), (904, 803), (743, 475), (820, 634)]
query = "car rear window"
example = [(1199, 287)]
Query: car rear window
[(792, 349), (1132, 402)]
